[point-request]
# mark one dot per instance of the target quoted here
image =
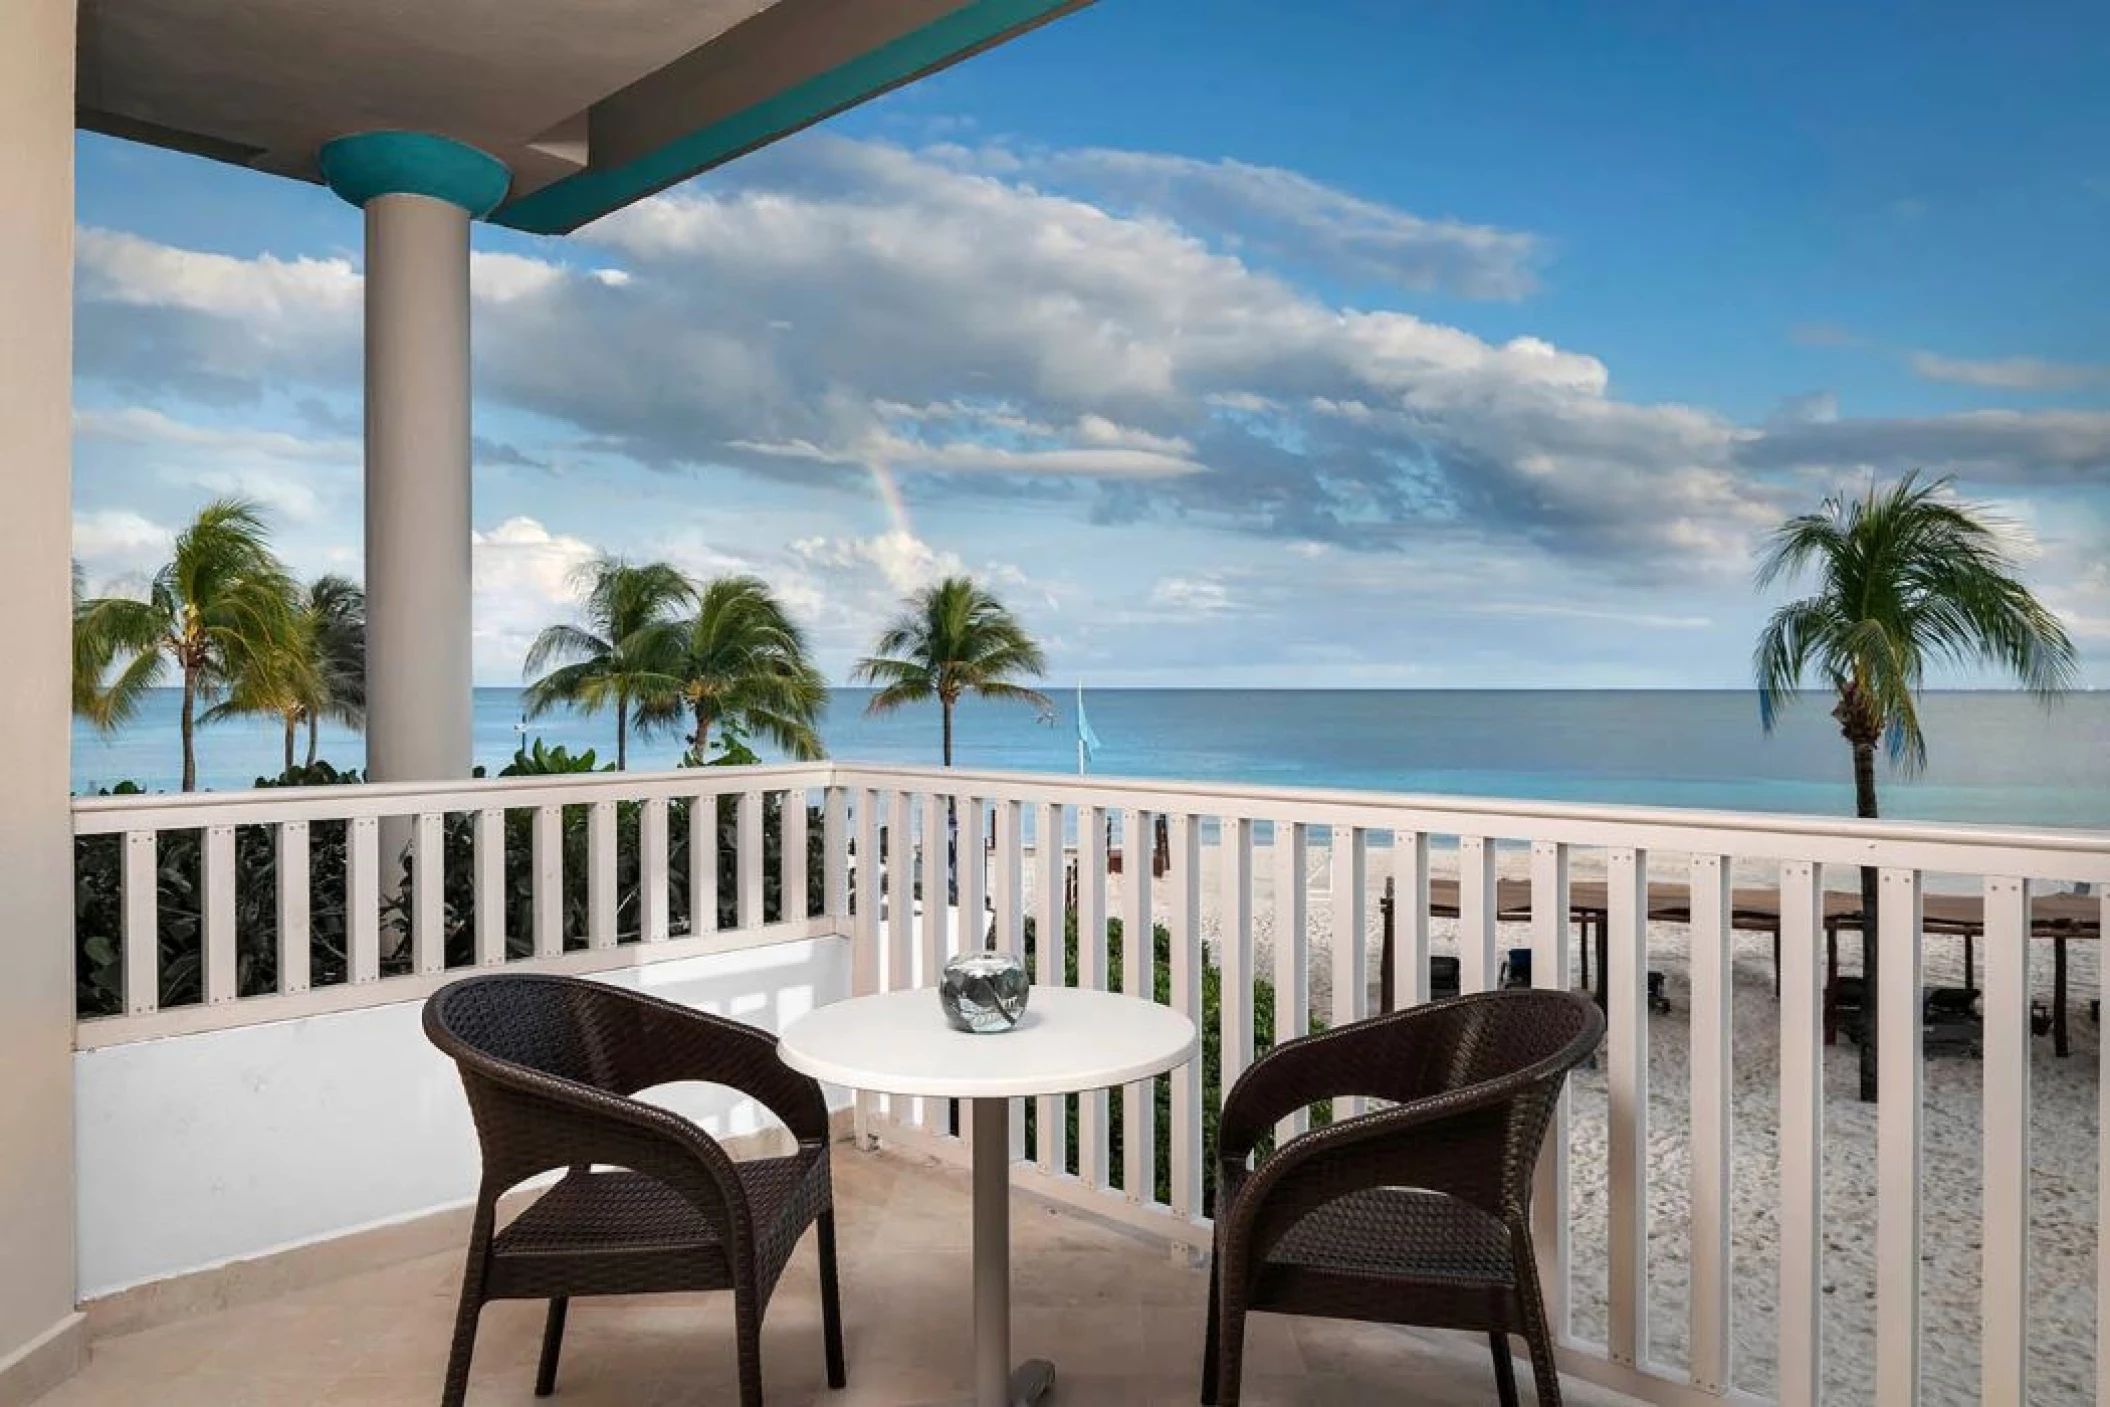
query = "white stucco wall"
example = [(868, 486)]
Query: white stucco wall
[(36, 850), (199, 1150)]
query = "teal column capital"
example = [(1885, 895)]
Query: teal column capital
[(368, 164)]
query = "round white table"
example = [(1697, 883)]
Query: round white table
[(1070, 1040)]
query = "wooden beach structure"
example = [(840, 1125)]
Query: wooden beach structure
[(2060, 918)]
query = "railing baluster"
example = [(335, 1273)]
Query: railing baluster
[(600, 875), (1185, 901), (1010, 931), (1139, 1105), (1235, 945), (1410, 918), (142, 936), (835, 855), (1627, 1079), (1348, 853), (1898, 1053), (362, 899), (548, 861), (1094, 1116), (2102, 1186), (865, 966), (1292, 952), (794, 904), (652, 923), (293, 899), (490, 886), (1801, 1377), (1477, 959), (217, 902), (1713, 1147), (901, 893), (901, 924), (703, 864), (971, 931), (936, 928), (748, 839), (1551, 970), (428, 937), (1050, 1118), (2004, 1286), (1008, 896)]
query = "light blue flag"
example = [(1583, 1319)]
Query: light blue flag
[(1086, 738)]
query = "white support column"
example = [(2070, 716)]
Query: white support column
[(419, 193), (417, 489), (40, 1334)]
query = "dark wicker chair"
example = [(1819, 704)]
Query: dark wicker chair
[(550, 1064), (1419, 1213)]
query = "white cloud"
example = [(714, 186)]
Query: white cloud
[(1298, 219), (1198, 596), (2011, 373), (294, 479), (524, 580), (123, 268), (829, 306), (905, 562), (116, 545)]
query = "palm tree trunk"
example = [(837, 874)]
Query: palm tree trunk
[(292, 726), (701, 738), (945, 705), (314, 737), (1865, 807), (189, 725), (622, 734)]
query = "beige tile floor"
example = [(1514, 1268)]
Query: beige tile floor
[(1122, 1319)]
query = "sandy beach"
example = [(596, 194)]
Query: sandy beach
[(2063, 1158)]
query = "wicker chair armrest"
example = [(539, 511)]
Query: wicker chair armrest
[(532, 1123), (1366, 1058), (677, 1043)]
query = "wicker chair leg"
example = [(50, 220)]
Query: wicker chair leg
[(552, 1346), (1538, 1334), (747, 1333), (456, 1387), (1230, 1355), (831, 1303), (1505, 1369), (1211, 1362)]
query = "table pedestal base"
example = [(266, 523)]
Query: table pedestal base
[(996, 1382), (1031, 1381)]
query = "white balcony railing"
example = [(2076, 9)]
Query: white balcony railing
[(1646, 1190)]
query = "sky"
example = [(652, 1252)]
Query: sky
[(1348, 344)]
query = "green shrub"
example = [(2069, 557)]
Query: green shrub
[(1211, 1023)]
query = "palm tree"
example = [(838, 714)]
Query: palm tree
[(221, 607), (336, 608), (953, 639), (1905, 576), (741, 660), (621, 657), (321, 674)]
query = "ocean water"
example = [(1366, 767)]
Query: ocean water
[(1994, 757)]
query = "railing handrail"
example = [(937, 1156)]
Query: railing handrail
[(107, 815), (998, 785), (1706, 831)]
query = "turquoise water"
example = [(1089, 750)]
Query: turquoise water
[(1995, 757)]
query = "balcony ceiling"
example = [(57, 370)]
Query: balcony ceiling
[(591, 103)]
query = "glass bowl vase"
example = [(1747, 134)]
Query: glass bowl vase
[(984, 992)]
